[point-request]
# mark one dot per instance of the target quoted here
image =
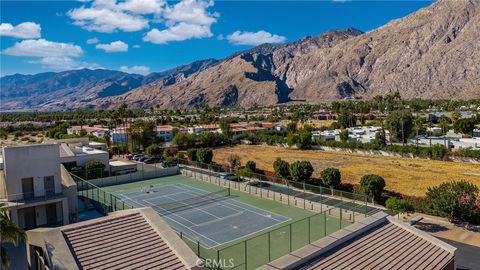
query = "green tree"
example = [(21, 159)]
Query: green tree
[(281, 167), (205, 155), (192, 154), (301, 171), (344, 135), (185, 141), (380, 139), (465, 126), (444, 124), (456, 200), (304, 140), (292, 127), (346, 119), (372, 185), (107, 137), (251, 166), (399, 206), (234, 161), (331, 177), (439, 151), (10, 233), (399, 123), (142, 134), (95, 169), (225, 127), (153, 150)]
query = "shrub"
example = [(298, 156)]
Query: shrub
[(301, 171), (153, 150), (234, 161), (456, 200), (372, 185), (95, 169), (439, 151), (304, 140), (331, 177), (399, 206), (251, 166), (281, 167), (344, 135), (179, 155), (192, 154), (204, 155)]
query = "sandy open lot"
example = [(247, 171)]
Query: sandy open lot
[(407, 176)]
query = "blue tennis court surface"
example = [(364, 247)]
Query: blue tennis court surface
[(213, 219)]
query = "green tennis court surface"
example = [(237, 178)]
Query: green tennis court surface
[(253, 230)]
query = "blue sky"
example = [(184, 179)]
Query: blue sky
[(152, 35)]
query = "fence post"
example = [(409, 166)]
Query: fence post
[(269, 248), (325, 223), (290, 240), (341, 217), (218, 259), (246, 262), (198, 248), (309, 231)]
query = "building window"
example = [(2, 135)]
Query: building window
[(49, 185), (27, 188)]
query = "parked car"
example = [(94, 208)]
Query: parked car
[(230, 176), (151, 160), (141, 159), (165, 164), (137, 156)]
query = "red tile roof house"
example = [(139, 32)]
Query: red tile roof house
[(129, 239), (378, 242)]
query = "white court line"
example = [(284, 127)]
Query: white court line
[(179, 202), (245, 209)]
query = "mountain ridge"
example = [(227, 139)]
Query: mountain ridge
[(432, 53)]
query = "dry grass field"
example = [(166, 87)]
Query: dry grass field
[(407, 176)]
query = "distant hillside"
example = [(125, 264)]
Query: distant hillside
[(64, 90), (433, 53)]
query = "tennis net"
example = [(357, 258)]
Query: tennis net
[(193, 202)]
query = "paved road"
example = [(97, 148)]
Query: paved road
[(467, 257)]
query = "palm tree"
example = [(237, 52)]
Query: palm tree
[(9, 233), (444, 122), (418, 124)]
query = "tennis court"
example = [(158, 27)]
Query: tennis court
[(213, 218)]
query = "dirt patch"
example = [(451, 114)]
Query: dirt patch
[(405, 175)]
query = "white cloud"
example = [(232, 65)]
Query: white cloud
[(192, 12), (107, 16), (136, 46), (179, 32), (135, 69), (25, 30), (115, 46), (142, 6), (254, 38), (92, 40), (185, 20), (63, 63), (43, 48), (50, 54)]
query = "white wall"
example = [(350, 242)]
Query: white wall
[(36, 161)]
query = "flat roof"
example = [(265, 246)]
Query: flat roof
[(121, 163), (378, 242)]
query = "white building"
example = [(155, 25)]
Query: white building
[(37, 188), (78, 152), (164, 132), (364, 134), (97, 130)]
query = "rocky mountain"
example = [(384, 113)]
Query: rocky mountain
[(74, 88), (432, 53)]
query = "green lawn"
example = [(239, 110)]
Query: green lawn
[(255, 250)]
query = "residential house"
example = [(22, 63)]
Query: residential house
[(37, 188)]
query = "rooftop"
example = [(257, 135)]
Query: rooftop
[(129, 239), (379, 242)]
